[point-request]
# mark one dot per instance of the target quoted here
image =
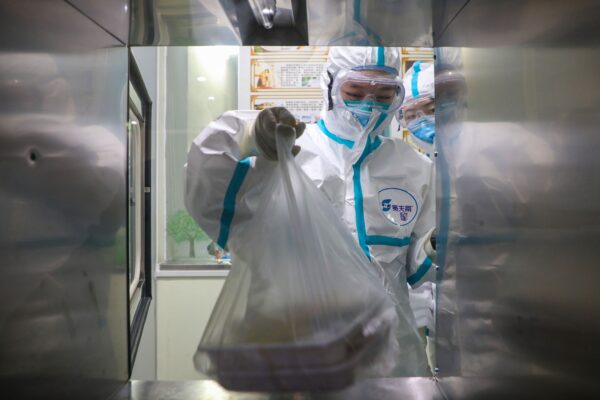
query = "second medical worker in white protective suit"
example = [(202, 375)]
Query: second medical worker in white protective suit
[(418, 108), (418, 116), (380, 186)]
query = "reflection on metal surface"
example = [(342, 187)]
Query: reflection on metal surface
[(443, 13), (181, 22), (271, 13), (519, 200), (500, 387), (112, 15), (517, 22), (48, 25), (264, 11), (376, 389), (63, 321), (295, 22), (262, 22), (370, 23)]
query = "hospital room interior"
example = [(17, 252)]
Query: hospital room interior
[(299, 199)]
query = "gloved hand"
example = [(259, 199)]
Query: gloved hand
[(430, 245), (274, 121)]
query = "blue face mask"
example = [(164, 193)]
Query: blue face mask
[(363, 110), (362, 119), (423, 128)]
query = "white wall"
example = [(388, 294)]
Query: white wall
[(182, 313)]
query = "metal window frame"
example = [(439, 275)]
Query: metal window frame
[(136, 325)]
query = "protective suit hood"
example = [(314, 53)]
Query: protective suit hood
[(419, 87), (340, 120), (419, 82)]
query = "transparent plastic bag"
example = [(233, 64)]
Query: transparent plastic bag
[(302, 309)]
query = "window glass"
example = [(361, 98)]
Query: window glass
[(201, 84), (135, 98), (135, 204)]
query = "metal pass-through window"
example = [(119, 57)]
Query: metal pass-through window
[(138, 206)]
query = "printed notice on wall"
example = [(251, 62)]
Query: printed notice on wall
[(305, 110), (288, 76), (285, 75)]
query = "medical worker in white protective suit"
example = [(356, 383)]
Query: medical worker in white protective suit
[(417, 114), (417, 111), (380, 186)]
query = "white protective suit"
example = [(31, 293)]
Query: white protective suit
[(365, 176), (419, 83)]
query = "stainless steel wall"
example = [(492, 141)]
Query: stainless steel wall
[(111, 15), (330, 22), (63, 282), (518, 184), (493, 23), (370, 23), (519, 193)]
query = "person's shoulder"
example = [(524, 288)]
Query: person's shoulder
[(405, 150), (240, 115), (232, 121)]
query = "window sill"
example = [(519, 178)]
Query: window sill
[(171, 270)]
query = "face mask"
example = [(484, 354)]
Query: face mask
[(363, 110), (363, 120), (423, 128)]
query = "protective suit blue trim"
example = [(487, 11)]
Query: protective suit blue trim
[(421, 271), (359, 211), (346, 142), (414, 83), (380, 120), (356, 10), (388, 241), (380, 56), (239, 174)]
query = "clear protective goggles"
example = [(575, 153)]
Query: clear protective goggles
[(417, 107), (364, 91)]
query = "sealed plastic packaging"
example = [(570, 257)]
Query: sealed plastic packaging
[(302, 309)]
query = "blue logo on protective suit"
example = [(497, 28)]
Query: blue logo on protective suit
[(398, 206)]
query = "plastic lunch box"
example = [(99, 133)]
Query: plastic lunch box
[(327, 365)]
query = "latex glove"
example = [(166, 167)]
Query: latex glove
[(274, 121)]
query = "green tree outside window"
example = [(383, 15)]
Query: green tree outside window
[(182, 227)]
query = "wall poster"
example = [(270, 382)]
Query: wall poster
[(288, 76)]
